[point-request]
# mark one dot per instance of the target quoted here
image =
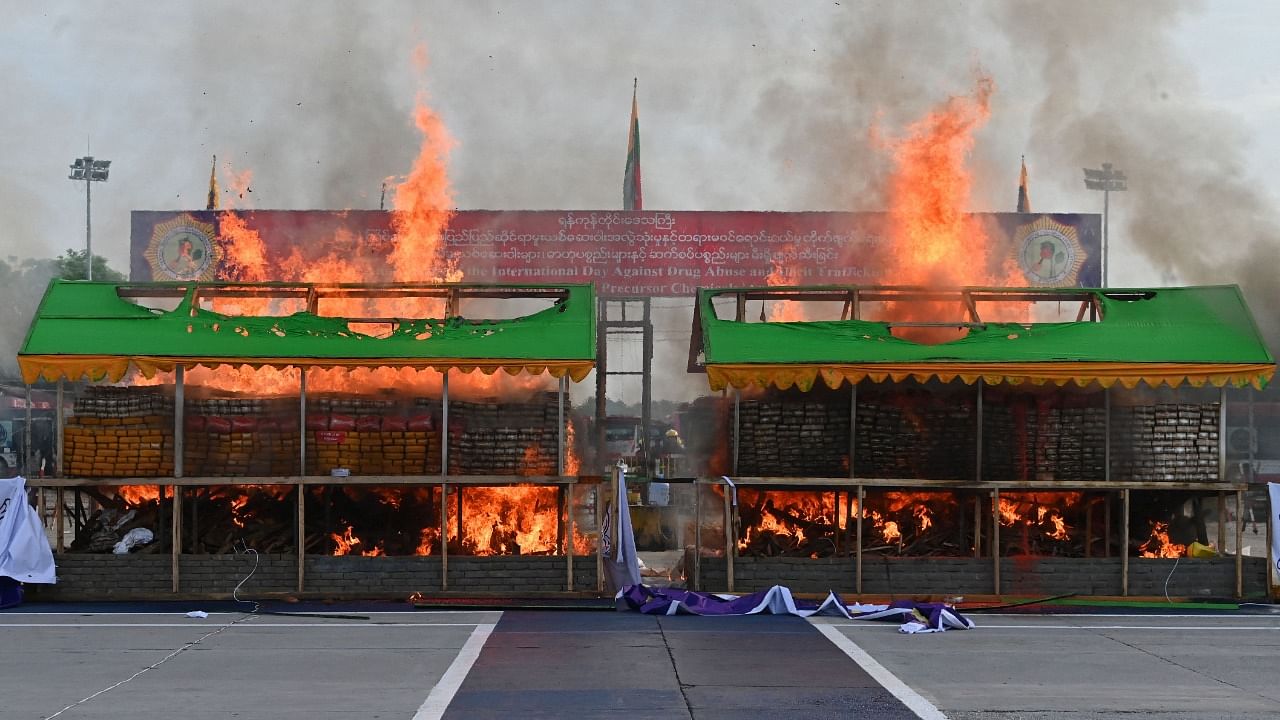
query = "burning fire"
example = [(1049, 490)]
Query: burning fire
[(933, 237), (1159, 545), (138, 494), (518, 519)]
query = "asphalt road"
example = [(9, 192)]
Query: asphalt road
[(108, 662)]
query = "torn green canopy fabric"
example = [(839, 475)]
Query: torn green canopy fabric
[(88, 329), (1165, 336)]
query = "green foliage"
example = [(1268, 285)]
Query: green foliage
[(71, 266), (22, 284)]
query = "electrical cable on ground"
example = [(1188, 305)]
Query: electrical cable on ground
[(242, 549), (1166, 580)]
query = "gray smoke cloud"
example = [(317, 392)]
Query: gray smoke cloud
[(763, 106)]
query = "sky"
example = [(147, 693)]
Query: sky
[(743, 106)]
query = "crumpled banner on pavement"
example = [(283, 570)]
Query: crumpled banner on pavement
[(916, 617)]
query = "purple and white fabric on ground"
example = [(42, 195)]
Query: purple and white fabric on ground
[(916, 617)]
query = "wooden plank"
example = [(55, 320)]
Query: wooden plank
[(1124, 545), (175, 537), (995, 538), (302, 535)]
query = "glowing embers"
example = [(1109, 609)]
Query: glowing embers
[(1041, 523), (815, 524)]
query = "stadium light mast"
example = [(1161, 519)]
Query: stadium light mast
[(1108, 180), (90, 171)]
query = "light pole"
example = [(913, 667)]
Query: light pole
[(1108, 180), (90, 171)]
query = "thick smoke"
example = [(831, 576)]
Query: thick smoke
[(767, 106)]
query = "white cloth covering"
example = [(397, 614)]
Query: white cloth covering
[(25, 555)]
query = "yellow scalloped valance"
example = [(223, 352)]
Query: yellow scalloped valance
[(113, 368), (784, 376)]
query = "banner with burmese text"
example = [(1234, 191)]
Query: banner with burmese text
[(625, 253)]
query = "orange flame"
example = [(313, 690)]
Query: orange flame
[(138, 494), (345, 542), (933, 236), (1159, 545), (516, 519)]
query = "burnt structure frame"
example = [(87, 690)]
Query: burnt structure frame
[(967, 299), (312, 293)]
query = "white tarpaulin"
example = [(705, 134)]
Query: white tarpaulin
[(1273, 573), (24, 550)]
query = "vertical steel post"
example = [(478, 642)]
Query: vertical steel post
[(444, 425), (444, 536), (730, 538), (1124, 545), (857, 542), (302, 534), (302, 422), (568, 540), (995, 537), (175, 539), (599, 514), (179, 424), (88, 214)]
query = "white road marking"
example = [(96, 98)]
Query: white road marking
[(256, 624), (442, 694), (923, 709), (1250, 628)]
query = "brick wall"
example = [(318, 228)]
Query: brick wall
[(966, 576), (134, 577)]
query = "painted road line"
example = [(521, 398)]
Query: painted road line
[(923, 709), (1251, 628), (442, 694), (254, 625)]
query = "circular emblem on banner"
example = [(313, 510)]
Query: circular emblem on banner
[(1049, 253), (183, 249)]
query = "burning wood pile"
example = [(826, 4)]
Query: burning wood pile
[(789, 523), (341, 520), (1167, 442), (120, 432)]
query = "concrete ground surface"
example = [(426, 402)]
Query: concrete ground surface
[(129, 661)]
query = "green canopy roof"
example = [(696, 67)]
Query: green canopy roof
[(1161, 336), (91, 328)]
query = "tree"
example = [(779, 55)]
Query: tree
[(71, 266), (22, 284)]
